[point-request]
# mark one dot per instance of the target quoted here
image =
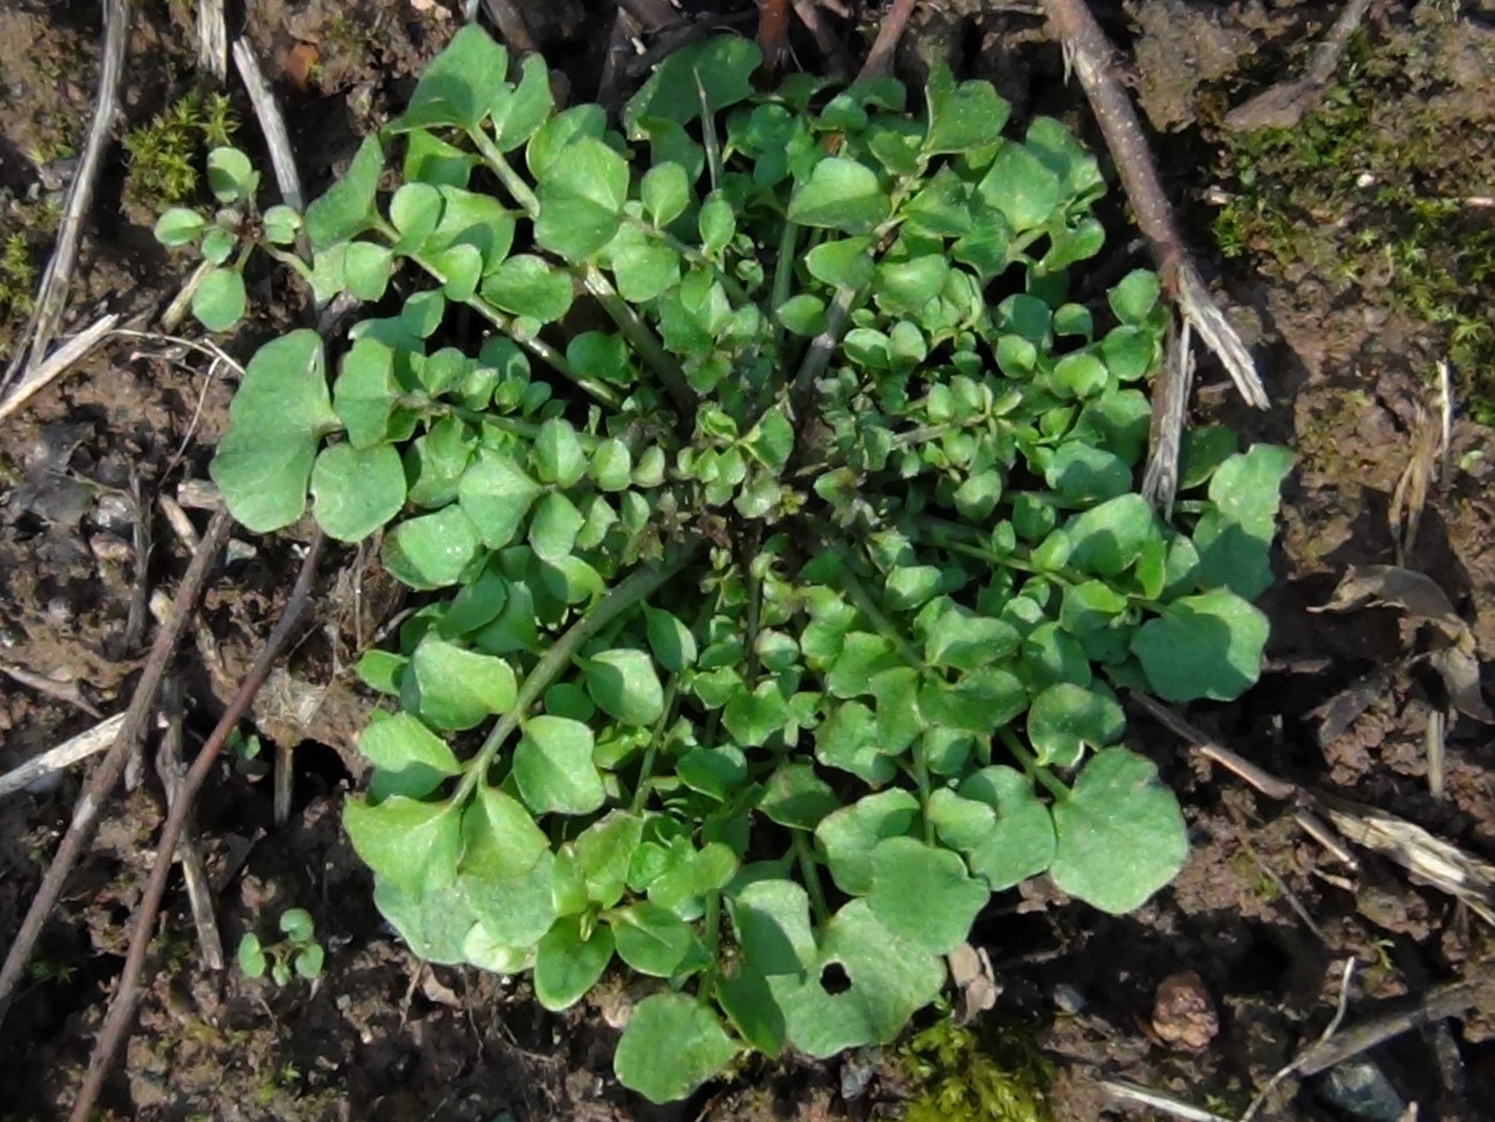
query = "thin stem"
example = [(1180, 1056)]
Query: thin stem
[(1031, 765), (639, 585), (516, 187), (869, 608), (809, 872), (711, 923), (637, 332), (783, 277), (646, 768), (818, 357)]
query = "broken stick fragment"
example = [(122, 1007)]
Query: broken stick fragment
[(1089, 53)]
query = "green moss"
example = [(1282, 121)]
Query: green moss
[(163, 156), (995, 1075), (1368, 193), (17, 276)]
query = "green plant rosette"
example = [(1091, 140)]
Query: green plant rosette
[(780, 522)]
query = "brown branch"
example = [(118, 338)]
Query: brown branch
[(106, 775), (880, 57), (127, 995), (1446, 1000)]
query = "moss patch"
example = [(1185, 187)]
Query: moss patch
[(995, 1075), (1371, 193)]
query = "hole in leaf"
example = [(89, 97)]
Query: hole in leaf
[(834, 980)]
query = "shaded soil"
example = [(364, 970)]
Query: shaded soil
[(1245, 947)]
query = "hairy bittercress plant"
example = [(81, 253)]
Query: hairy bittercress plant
[(780, 510)]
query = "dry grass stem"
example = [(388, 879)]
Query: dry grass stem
[(65, 755)]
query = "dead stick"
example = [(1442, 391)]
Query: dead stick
[(51, 298), (127, 995), (880, 57), (1446, 1000), (170, 768), (106, 775)]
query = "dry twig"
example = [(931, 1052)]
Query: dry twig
[(66, 754), (272, 125), (51, 299), (122, 1009), (172, 771), (212, 38), (1295, 1067), (880, 57), (101, 782), (41, 375)]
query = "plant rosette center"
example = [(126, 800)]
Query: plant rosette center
[(776, 513)]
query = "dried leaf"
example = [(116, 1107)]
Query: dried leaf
[(971, 971)]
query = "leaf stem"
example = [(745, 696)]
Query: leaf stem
[(1031, 765), (646, 768), (711, 922), (640, 584), (809, 872), (501, 167), (637, 332), (783, 277)]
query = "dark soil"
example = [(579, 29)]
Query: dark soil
[(1202, 995)]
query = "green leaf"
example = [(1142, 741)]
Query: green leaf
[(346, 209), (795, 796), (962, 640), (849, 835), (558, 455), (1229, 556), (1246, 488), (603, 853), (553, 767), (459, 689), (1120, 833), (1022, 187), (1065, 717), (671, 641), (665, 191), (1021, 843), (355, 491), (429, 159), (650, 939), (862, 655), (962, 117), (219, 300), (554, 526), (890, 979), (297, 925), (408, 843), (772, 921), (179, 226), (516, 117), (923, 894), (671, 1046), (309, 961), (433, 921), (278, 415), (644, 270), (525, 285), (561, 130), (752, 717), (848, 739), (496, 495), (251, 956), (566, 965), (381, 670), (840, 194), (717, 222), (1135, 296), (723, 66), (1107, 539), (365, 391), (460, 85), (843, 262), (1204, 646), (402, 742), (623, 684), (803, 314), (581, 193), (713, 771), (231, 176), (431, 551)]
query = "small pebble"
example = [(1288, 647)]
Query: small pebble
[(1067, 999), (110, 549), (1360, 1089), (1183, 1012)]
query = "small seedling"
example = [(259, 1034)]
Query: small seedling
[(778, 610), (297, 955), (228, 236)]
